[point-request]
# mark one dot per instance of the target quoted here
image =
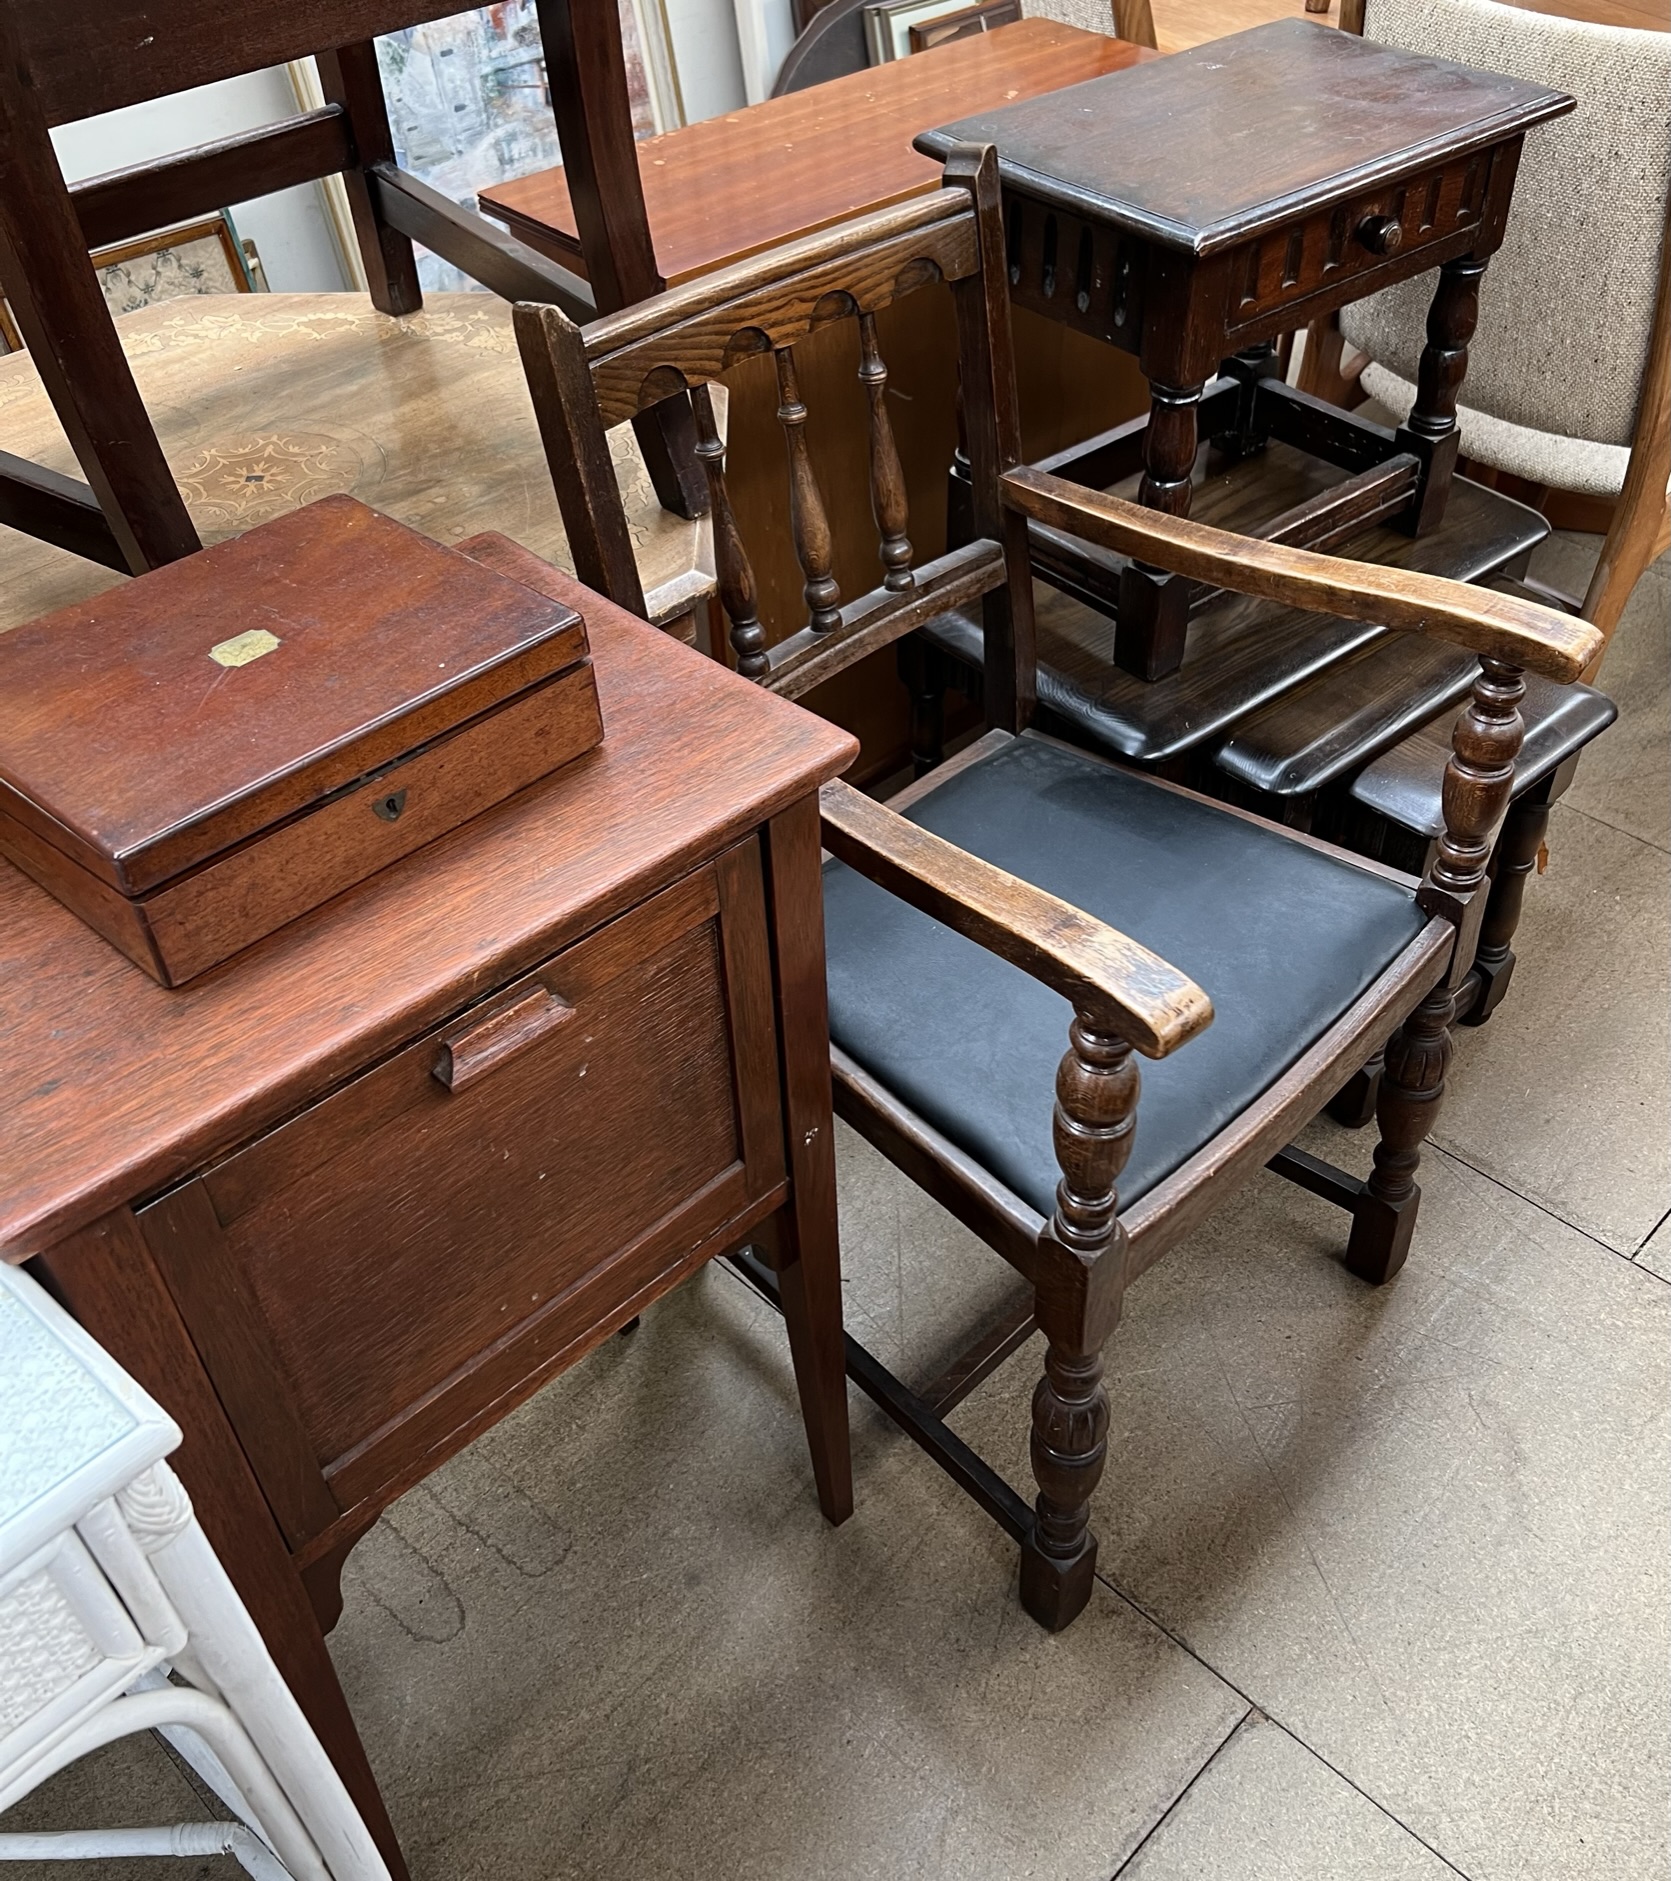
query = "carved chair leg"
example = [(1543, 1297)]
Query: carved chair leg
[(1406, 1109), (1078, 1290), (926, 674), (1522, 837), (1353, 1105)]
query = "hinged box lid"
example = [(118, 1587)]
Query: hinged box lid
[(162, 722)]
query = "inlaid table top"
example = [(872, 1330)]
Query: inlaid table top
[(263, 402), (731, 186)]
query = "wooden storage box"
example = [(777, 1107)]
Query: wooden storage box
[(192, 760)]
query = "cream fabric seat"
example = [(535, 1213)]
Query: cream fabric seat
[(1567, 303)]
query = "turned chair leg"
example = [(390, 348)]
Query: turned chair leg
[(1078, 1289), (1407, 1107), (1522, 837)]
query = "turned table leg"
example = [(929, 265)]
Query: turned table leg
[(1154, 606), (1430, 430), (107, 1278)]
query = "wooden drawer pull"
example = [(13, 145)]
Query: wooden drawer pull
[(474, 1048)]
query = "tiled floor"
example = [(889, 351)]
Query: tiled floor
[(1385, 1572)]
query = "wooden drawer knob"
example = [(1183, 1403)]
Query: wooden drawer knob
[(1381, 235), (472, 1049)]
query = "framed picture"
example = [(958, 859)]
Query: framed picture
[(470, 102), (888, 25), (967, 23), (201, 257)]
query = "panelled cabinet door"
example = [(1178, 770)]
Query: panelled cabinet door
[(452, 1226)]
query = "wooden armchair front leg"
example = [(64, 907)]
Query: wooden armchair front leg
[(1124, 999), (1478, 780), (1078, 1288)]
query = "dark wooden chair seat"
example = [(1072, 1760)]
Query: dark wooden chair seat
[(1246, 653), (1403, 785), (1286, 933), (1355, 716)]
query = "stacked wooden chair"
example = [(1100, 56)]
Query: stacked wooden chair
[(1342, 729), (1028, 895)]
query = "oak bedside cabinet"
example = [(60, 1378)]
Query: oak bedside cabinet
[(344, 1201)]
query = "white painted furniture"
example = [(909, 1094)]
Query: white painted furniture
[(106, 1585)]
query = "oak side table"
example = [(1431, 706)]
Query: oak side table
[(332, 1269), (1192, 209)]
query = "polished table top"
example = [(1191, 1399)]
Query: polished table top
[(734, 185)]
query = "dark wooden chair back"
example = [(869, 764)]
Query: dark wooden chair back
[(586, 380), (62, 60)]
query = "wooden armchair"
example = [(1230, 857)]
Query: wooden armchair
[(1032, 891), (62, 60)]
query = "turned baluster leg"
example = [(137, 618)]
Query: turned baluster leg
[(808, 521), (1477, 782), (731, 564), (1430, 430), (1078, 1289), (1517, 854), (887, 479), (1154, 606)]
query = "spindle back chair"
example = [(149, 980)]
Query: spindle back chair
[(586, 380), (1030, 889)]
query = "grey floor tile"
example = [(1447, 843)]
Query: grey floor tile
[(919, 1287), (1266, 1809), (1425, 1527), (1655, 1252), (1563, 1096), (622, 1642), (1624, 779), (133, 1783)]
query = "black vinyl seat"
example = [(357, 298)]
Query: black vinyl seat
[(1282, 936)]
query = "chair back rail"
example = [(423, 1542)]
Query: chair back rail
[(684, 340)]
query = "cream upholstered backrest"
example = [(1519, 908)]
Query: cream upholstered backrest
[(1091, 16), (1566, 303)]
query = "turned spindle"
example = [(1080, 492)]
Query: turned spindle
[(887, 478), (732, 568), (809, 523)]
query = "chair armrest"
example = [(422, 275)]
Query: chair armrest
[(1496, 626), (1099, 969)]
